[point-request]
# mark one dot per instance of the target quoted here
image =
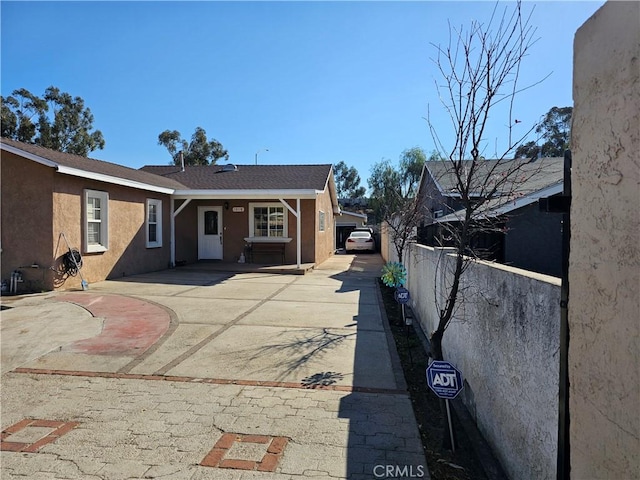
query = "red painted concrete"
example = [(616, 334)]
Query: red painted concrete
[(131, 326)]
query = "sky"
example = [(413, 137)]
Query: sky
[(311, 82)]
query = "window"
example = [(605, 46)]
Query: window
[(96, 221), (267, 220), (321, 221), (154, 223), (211, 222)]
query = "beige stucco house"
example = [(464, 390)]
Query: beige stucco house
[(125, 221)]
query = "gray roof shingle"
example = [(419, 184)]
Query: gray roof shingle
[(522, 188), (247, 177), (536, 175), (95, 166)]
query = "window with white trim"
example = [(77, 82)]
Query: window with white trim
[(321, 221), (153, 223), (267, 220), (96, 221)]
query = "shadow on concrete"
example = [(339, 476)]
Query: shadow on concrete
[(383, 438), (304, 349), (322, 379)]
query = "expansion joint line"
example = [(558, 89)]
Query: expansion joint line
[(178, 360)]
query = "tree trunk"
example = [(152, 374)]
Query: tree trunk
[(436, 345)]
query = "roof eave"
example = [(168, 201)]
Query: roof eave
[(76, 172), (508, 206), (27, 155), (242, 194), (333, 191), (114, 180)]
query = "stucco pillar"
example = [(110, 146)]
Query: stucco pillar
[(604, 278)]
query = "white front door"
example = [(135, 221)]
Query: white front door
[(209, 233)]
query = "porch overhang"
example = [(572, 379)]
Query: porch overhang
[(245, 194), (263, 194)]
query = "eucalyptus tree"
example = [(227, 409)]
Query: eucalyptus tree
[(199, 151), (56, 120), (347, 181), (554, 130)]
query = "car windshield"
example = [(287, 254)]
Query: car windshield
[(360, 234)]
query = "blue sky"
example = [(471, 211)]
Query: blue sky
[(314, 82)]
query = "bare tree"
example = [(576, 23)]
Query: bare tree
[(402, 227), (394, 197), (480, 69)]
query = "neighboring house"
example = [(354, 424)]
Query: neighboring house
[(346, 223), (125, 221), (529, 238)]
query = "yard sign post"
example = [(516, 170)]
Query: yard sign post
[(446, 382), (402, 297)]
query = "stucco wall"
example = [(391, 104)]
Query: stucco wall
[(26, 220), (236, 228), (325, 241), (127, 253), (604, 272), (504, 338)]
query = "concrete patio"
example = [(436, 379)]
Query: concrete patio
[(201, 373)]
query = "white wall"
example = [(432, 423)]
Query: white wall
[(504, 339)]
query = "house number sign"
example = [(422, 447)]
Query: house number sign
[(238, 209)]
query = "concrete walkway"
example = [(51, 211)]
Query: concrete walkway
[(198, 373)]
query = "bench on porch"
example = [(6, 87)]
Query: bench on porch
[(266, 249)]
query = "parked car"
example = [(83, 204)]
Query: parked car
[(360, 241), (364, 229)]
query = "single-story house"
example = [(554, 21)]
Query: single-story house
[(125, 221), (528, 238)]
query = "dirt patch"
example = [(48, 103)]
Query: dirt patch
[(428, 408)]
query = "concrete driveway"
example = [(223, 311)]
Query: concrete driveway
[(196, 373)]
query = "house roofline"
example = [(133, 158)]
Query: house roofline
[(353, 214), (333, 192), (77, 172), (435, 180), (114, 180), (508, 206), (528, 199), (27, 155), (239, 194)]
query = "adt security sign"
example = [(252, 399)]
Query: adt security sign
[(444, 379), (402, 295)]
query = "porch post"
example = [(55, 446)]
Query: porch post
[(172, 221), (174, 214), (296, 213), (298, 229)]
